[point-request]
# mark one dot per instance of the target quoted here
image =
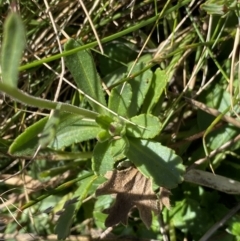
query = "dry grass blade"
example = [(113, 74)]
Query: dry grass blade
[(214, 112)]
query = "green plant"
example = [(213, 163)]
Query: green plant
[(140, 132), (122, 130)]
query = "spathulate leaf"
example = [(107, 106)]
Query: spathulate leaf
[(12, 48), (147, 126), (120, 99), (83, 70), (71, 129), (140, 85), (102, 160), (157, 162), (27, 142), (156, 89), (83, 190)]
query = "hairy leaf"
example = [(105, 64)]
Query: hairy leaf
[(157, 162), (71, 129), (102, 160), (119, 147), (147, 126), (156, 89), (12, 48), (49, 131), (140, 86), (82, 67), (120, 99)]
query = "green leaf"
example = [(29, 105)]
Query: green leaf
[(27, 142), (234, 226), (102, 160), (71, 129), (83, 190), (112, 126), (65, 220), (219, 99), (120, 99), (12, 48), (140, 85), (157, 162), (52, 172), (82, 67), (116, 55), (49, 131), (103, 136), (118, 148), (104, 121), (147, 126), (218, 7), (157, 87), (102, 202), (115, 76), (190, 217)]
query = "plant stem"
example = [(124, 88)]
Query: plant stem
[(45, 104)]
